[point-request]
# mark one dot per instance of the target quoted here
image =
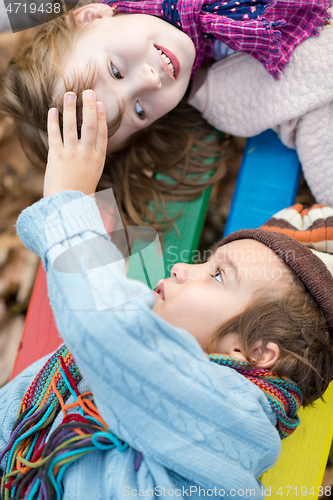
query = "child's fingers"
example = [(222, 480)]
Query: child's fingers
[(53, 129), (89, 124), (69, 120), (102, 130)]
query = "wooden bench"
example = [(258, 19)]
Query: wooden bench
[(268, 181)]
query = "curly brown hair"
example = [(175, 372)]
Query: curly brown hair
[(297, 325)]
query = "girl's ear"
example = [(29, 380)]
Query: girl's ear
[(270, 355), (92, 11)]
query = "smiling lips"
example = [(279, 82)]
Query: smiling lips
[(169, 61)]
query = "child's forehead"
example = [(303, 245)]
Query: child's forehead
[(252, 265), (245, 250)]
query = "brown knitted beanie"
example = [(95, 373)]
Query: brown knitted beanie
[(303, 238)]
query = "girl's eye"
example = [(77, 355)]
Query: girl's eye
[(218, 276), (139, 111), (115, 73)]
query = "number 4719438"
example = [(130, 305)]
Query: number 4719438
[(304, 491), (13, 8)]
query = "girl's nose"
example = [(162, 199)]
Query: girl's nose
[(150, 78), (180, 272)]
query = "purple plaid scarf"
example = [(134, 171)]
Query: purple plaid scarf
[(268, 30)]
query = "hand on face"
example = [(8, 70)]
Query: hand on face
[(73, 163)]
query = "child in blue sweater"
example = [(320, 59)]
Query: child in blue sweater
[(183, 392)]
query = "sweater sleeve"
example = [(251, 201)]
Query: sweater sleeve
[(241, 98), (313, 137), (152, 383)]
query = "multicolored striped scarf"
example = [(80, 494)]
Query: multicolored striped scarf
[(282, 393), (268, 30), (39, 456)]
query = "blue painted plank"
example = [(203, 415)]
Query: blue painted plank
[(267, 182)]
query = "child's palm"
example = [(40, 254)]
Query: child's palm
[(72, 163)]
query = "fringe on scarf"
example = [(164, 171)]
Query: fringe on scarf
[(35, 467)]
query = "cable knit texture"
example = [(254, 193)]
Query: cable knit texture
[(241, 98), (195, 423)]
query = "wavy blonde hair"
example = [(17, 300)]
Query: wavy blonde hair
[(177, 144)]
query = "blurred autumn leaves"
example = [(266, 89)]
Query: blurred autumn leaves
[(20, 186)]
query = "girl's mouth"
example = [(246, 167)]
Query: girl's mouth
[(158, 294), (159, 290), (169, 60)]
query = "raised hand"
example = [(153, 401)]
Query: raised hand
[(73, 163)]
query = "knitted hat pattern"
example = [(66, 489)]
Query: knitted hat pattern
[(303, 238)]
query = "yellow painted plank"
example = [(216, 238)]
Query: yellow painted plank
[(302, 462)]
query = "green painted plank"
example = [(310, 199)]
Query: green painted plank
[(179, 245)]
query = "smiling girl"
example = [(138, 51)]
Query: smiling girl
[(139, 57), (165, 146)]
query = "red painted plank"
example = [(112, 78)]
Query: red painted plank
[(40, 334)]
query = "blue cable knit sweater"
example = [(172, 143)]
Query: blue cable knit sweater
[(197, 424)]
